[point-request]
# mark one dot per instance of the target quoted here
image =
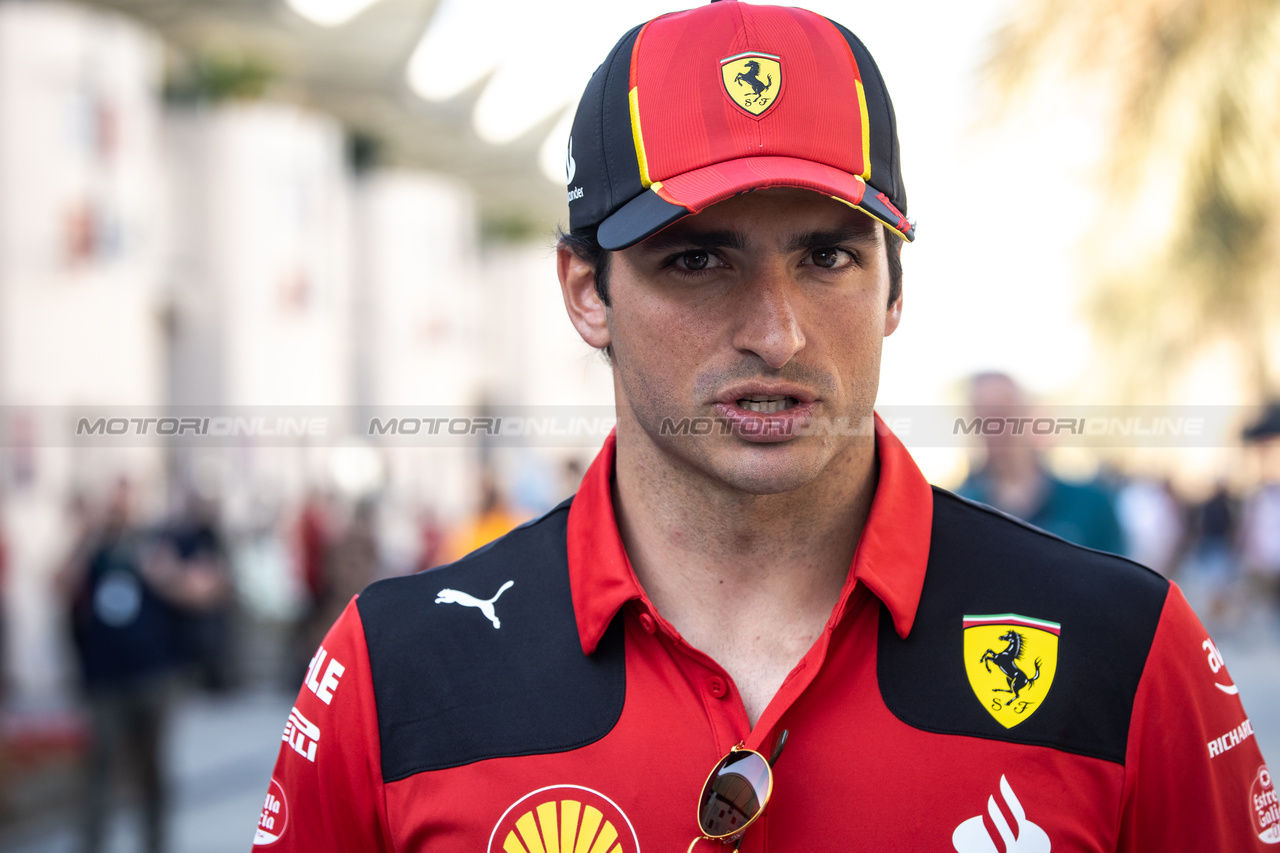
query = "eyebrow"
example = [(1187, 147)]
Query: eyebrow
[(693, 239), (832, 237), (727, 239)]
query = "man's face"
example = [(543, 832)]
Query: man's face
[(997, 396), (764, 315)]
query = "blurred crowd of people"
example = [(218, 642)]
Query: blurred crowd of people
[(1223, 548), (154, 609), (142, 606)]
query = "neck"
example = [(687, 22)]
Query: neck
[(749, 579), (674, 513)]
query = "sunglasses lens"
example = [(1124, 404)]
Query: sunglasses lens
[(735, 793)]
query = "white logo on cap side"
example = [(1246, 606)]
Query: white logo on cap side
[(570, 167)]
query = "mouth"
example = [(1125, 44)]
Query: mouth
[(763, 397), (761, 412), (766, 405)]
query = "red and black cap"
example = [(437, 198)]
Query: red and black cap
[(694, 107)]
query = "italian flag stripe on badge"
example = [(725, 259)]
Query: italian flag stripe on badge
[(1012, 619)]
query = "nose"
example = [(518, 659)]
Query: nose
[(767, 321)]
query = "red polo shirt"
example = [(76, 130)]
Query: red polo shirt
[(980, 686)]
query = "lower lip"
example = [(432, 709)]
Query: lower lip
[(766, 428)]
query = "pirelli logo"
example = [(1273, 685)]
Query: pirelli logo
[(301, 734)]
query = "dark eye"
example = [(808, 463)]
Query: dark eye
[(698, 260), (828, 258)]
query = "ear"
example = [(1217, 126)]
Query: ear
[(578, 287), (893, 316)]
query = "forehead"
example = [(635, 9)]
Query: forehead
[(780, 214)]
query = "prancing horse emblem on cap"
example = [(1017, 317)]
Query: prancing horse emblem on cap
[(753, 81)]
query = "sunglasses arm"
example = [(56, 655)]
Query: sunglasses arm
[(777, 747), (694, 843)]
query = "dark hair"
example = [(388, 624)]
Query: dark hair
[(893, 255), (583, 243)]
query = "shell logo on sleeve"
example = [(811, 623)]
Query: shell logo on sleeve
[(1011, 661), (564, 819)]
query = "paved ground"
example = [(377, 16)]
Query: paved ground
[(222, 751)]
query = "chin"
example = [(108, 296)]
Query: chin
[(765, 469)]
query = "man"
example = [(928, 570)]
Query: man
[(123, 623), (1013, 476), (747, 563)]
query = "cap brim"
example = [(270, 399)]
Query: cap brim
[(667, 201)]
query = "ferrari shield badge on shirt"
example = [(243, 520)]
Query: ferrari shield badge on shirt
[(1010, 661), (752, 81)]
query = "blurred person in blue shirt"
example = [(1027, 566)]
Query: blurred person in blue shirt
[(1014, 479), (124, 632)]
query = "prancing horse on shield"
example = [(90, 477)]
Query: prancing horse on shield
[(1006, 662)]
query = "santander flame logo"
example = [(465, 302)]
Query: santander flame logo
[(1023, 837)]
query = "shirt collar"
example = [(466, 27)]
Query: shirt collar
[(890, 558)]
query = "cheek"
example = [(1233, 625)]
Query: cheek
[(660, 332), (853, 323), (660, 351), (849, 337)]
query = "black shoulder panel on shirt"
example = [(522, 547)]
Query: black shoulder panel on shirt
[(454, 686), (984, 563)]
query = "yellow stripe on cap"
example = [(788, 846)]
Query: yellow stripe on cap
[(880, 219), (638, 138), (866, 130)]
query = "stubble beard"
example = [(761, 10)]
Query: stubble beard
[(728, 464)]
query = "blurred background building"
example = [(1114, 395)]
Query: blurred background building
[(294, 219)]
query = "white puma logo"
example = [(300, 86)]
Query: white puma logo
[(453, 596), (1023, 837)]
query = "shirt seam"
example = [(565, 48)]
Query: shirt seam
[(1130, 767), (376, 764)]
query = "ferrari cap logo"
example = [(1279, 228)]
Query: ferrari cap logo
[(1010, 661), (752, 81)]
